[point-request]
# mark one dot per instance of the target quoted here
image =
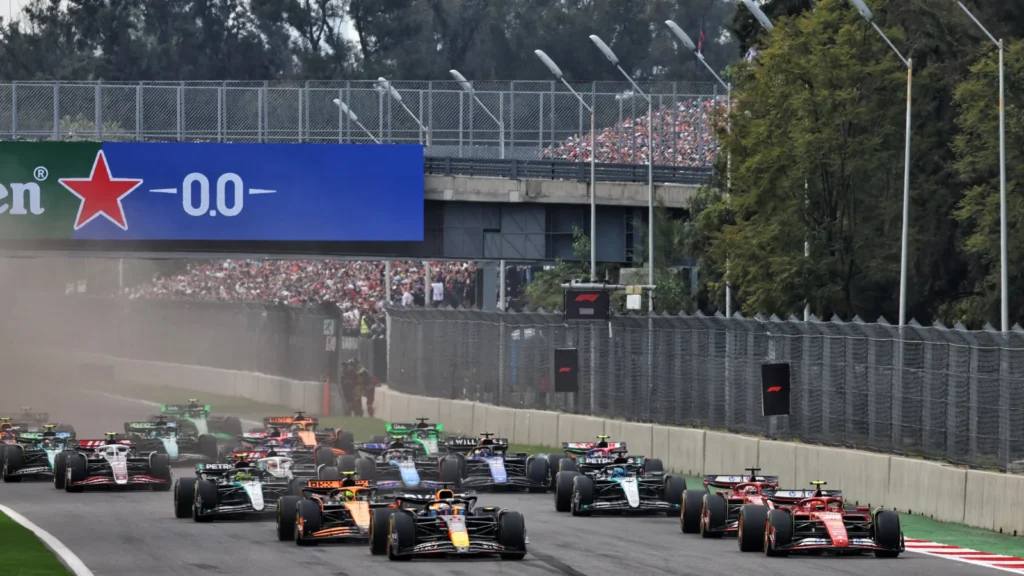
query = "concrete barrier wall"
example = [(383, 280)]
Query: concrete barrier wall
[(946, 493)]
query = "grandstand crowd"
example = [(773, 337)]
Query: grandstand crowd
[(357, 288), (684, 135)]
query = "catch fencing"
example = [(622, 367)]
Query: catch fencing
[(947, 394), (521, 119)]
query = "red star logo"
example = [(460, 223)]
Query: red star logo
[(100, 194)]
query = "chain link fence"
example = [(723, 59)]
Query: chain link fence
[(520, 119), (947, 394)]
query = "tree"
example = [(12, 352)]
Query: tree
[(977, 148), (545, 291), (815, 148)]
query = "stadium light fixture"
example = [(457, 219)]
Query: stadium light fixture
[(466, 86), (557, 72), (865, 13), (352, 116), (1003, 283), (650, 158), (387, 87), (759, 15)]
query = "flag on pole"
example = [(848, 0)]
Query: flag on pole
[(700, 40)]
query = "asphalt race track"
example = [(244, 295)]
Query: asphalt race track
[(131, 532)]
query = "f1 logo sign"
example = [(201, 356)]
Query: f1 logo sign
[(592, 297), (774, 389)]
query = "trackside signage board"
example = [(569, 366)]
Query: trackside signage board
[(210, 192), (585, 304)]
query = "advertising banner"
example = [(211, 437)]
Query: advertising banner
[(211, 192)]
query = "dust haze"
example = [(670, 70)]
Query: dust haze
[(58, 310)]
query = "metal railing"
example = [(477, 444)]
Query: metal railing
[(564, 170), (958, 395), (539, 119)]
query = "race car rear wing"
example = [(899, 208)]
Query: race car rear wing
[(33, 436), (130, 427), (466, 444), (94, 444), (787, 496), (289, 420), (181, 409), (404, 428), (728, 481), (213, 469), (324, 486), (584, 447)]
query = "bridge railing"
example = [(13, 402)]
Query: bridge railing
[(564, 170), (538, 119)]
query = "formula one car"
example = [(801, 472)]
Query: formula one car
[(110, 463), (29, 421), (425, 435), (394, 466), (489, 464), (308, 430), (225, 489), (623, 486), (33, 454), (305, 456), (819, 520), (714, 514), (163, 437), (195, 418), (444, 524), (328, 510)]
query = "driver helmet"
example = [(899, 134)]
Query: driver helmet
[(618, 472), (484, 451), (393, 456), (443, 509), (750, 490), (347, 496), (242, 476), (47, 443)]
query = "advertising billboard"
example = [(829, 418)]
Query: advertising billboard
[(211, 192)]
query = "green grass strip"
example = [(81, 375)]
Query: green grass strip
[(22, 554)]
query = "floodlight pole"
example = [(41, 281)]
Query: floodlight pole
[(593, 159), (352, 116), (1004, 312), (386, 85), (469, 88)]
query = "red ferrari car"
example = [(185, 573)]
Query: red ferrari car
[(716, 513)]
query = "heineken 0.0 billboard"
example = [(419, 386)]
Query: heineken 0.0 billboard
[(207, 192)]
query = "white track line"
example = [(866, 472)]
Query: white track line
[(247, 422), (66, 556), (965, 555)]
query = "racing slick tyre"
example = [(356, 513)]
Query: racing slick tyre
[(76, 472), (60, 470), (287, 506), (582, 495), (160, 468), (714, 513), (451, 472), (693, 506), (888, 533), (309, 521), (206, 500), (512, 534), (12, 463), (366, 469), (653, 465), (751, 523), (184, 497), (328, 473), (674, 488), (553, 460), (232, 426), (207, 446), (780, 525), (380, 524), (537, 471), (403, 532), (295, 486), (567, 465), (563, 490), (346, 442), (324, 455), (347, 462)]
